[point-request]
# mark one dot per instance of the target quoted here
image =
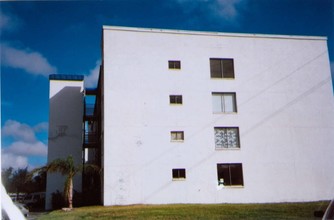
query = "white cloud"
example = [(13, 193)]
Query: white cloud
[(29, 61), (227, 9), (4, 21), (43, 126), (93, 76), (226, 12), (18, 131), (22, 148), (12, 160), (9, 22), (24, 143)]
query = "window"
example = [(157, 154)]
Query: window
[(176, 135), (179, 173), (230, 174), (175, 99), (224, 102), (226, 137), (174, 64), (221, 68)]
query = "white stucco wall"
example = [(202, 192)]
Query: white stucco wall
[(285, 117), (65, 131)]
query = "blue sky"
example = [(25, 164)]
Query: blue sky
[(39, 38)]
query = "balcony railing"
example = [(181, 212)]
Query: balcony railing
[(90, 138), (89, 109)]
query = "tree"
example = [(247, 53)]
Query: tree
[(67, 168), (6, 177), (19, 180), (39, 181)]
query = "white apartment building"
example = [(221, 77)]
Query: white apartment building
[(202, 117)]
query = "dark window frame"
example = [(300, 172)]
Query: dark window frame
[(179, 174), (176, 99), (222, 68), (230, 174), (174, 64)]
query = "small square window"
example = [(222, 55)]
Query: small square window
[(179, 174), (175, 99), (230, 174), (221, 68), (227, 138), (174, 64), (224, 102), (177, 135)]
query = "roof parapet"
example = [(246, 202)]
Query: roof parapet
[(70, 77), (208, 33)]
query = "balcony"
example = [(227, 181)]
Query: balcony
[(91, 139)]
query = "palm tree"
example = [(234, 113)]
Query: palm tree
[(67, 168)]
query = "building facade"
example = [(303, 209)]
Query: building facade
[(200, 117), (65, 128)]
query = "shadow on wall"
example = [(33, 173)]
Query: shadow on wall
[(66, 95), (66, 112)]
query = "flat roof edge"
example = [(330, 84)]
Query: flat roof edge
[(70, 77), (208, 33)]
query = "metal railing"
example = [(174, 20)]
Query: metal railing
[(90, 137), (89, 109)]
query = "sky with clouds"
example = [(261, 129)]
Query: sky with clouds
[(39, 38)]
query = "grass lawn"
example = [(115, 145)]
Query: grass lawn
[(189, 211)]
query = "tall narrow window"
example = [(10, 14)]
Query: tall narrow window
[(176, 135), (230, 174), (221, 68), (175, 99), (179, 174), (174, 64), (224, 102), (227, 137)]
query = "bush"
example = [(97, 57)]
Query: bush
[(58, 200), (77, 199)]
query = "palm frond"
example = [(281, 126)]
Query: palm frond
[(36, 171), (91, 169), (63, 166), (58, 165)]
